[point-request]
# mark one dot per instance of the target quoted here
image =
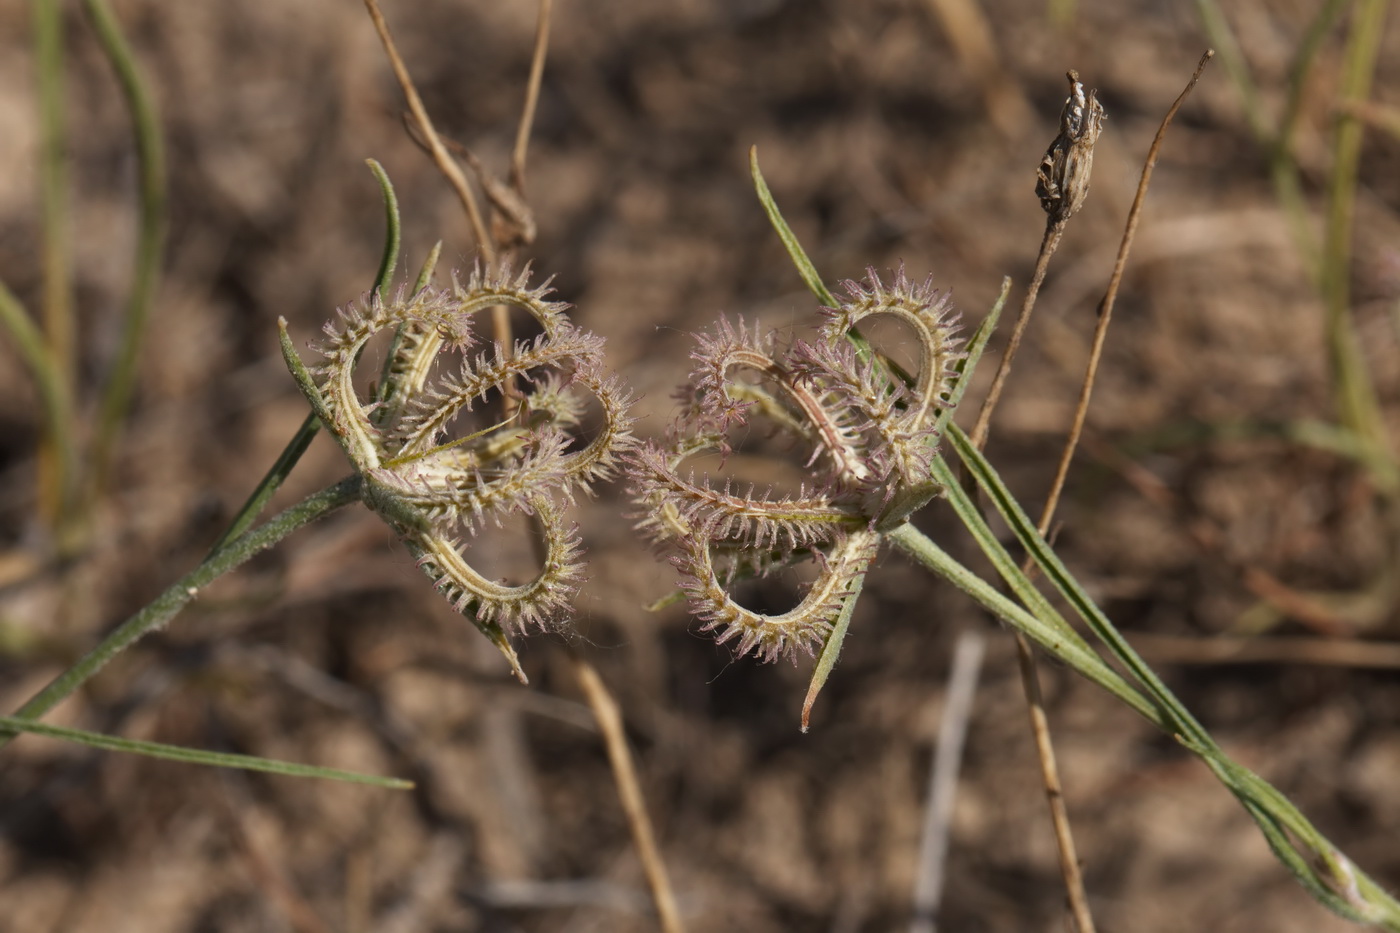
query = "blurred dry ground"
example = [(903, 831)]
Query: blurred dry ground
[(885, 146)]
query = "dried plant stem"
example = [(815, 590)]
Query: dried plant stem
[(943, 778), (1054, 791), (1029, 678), (630, 792), (1030, 681), (1049, 243), (1086, 390), (1063, 182), (532, 96), (441, 157)]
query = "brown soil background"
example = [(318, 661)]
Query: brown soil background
[(877, 142)]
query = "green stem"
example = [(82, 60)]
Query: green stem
[(826, 662), (1050, 633), (389, 257), (1287, 184), (1314, 860), (1359, 409), (10, 725), (1048, 561), (297, 446), (270, 482), (150, 157), (1222, 39), (53, 390), (168, 604), (58, 486)]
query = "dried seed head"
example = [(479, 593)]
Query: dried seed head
[(871, 439), (1063, 179), (437, 490)]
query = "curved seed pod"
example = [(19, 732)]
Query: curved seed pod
[(535, 604), (802, 628)]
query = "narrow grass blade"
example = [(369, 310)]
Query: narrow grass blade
[(975, 348), (1353, 384), (169, 603), (53, 390), (112, 743), (425, 274), (271, 482), (1049, 633), (305, 434), (301, 374), (1283, 825), (831, 650), (58, 479), (150, 240), (389, 260), (794, 248), (1317, 864), (1049, 563)]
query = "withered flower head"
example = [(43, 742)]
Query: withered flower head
[(436, 492), (871, 438)]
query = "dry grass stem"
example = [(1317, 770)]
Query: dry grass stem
[(943, 778), (532, 96), (1110, 295), (1069, 860), (1070, 869), (629, 790), (982, 429), (1062, 183), (441, 157)]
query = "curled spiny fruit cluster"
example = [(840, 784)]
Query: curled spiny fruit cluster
[(871, 434), (436, 492)]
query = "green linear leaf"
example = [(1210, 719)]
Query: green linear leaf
[(968, 364), (197, 756), (794, 248), (1049, 563), (831, 650), (1040, 621)]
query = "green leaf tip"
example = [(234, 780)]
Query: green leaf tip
[(392, 229), (805, 269)]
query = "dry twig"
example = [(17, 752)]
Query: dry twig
[(1030, 679), (1106, 306), (441, 157), (1062, 183), (943, 778), (630, 792)]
